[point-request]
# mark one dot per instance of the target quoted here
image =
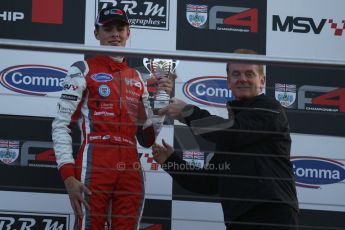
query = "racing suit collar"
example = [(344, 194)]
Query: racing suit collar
[(114, 65)]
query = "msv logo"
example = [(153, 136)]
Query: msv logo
[(209, 90), (33, 79), (311, 172)]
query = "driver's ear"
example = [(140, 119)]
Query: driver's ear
[(95, 32), (128, 32)]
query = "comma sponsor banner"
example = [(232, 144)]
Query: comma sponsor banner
[(208, 90), (221, 25), (31, 82), (33, 79), (22, 220), (313, 172), (318, 32), (319, 170), (31, 89), (43, 20), (203, 84), (153, 14)]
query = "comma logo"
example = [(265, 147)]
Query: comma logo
[(208, 90), (36, 80), (314, 172), (47, 11)]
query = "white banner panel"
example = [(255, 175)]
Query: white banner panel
[(158, 184), (306, 28), (153, 23), (203, 84), (19, 210), (197, 215), (30, 82), (319, 168)]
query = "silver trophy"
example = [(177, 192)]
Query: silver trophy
[(160, 68)]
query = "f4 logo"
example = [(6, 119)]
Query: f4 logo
[(226, 18), (321, 98), (239, 17)]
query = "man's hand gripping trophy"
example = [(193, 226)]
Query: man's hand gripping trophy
[(161, 69)]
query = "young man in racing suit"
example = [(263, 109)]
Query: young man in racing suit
[(109, 101)]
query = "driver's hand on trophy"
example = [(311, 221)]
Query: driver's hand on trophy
[(166, 83), (174, 109), (161, 152)]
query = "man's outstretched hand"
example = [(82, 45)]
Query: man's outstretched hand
[(162, 152), (174, 109)]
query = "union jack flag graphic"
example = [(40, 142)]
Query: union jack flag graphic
[(285, 87), (9, 144), (193, 155), (197, 8)]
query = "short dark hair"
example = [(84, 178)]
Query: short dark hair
[(246, 51)]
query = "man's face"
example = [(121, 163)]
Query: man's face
[(113, 34), (245, 80)]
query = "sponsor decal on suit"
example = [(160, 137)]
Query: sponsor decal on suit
[(102, 77), (104, 90)]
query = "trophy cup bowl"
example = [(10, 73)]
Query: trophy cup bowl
[(160, 68)]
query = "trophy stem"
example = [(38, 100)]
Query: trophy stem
[(161, 100)]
